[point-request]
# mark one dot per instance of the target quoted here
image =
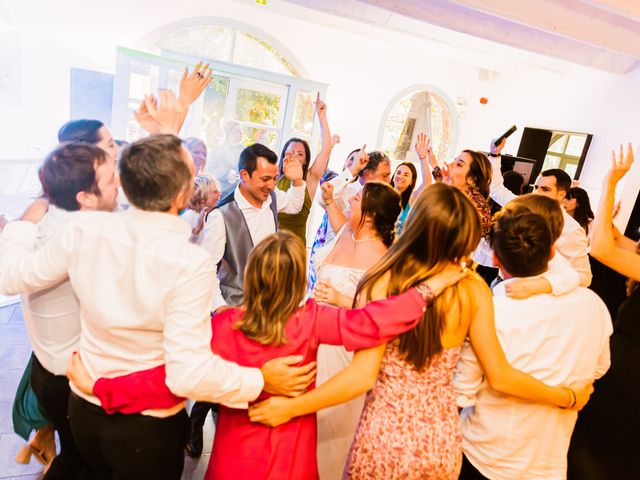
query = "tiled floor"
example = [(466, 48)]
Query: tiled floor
[(14, 354)]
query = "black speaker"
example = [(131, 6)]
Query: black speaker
[(633, 227), (534, 143)]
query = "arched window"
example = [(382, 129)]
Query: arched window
[(227, 41), (416, 110)]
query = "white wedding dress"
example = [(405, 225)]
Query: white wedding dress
[(336, 425)]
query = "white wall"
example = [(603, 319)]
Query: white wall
[(365, 66)]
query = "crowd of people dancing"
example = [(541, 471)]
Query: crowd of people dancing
[(419, 337)]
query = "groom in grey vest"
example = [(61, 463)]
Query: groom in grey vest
[(246, 216)]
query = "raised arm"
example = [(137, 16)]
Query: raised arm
[(169, 115), (501, 375), (604, 246), (292, 200), (337, 219), (319, 165), (428, 162)]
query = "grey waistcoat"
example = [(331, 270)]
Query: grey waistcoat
[(237, 248)]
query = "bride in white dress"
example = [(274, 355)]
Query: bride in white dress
[(360, 242)]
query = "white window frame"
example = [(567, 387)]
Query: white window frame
[(177, 61)]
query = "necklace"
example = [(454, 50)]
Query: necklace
[(356, 241)]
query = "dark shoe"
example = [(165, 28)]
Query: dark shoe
[(194, 446)]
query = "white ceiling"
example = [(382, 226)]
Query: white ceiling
[(602, 34)]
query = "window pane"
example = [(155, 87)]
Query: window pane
[(206, 41), (551, 161), (304, 113), (254, 106), (265, 136), (558, 143), (576, 145), (254, 52), (215, 96), (416, 113), (143, 81)]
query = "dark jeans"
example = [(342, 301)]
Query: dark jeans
[(129, 447), (469, 472), (53, 395)]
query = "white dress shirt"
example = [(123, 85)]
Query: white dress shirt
[(260, 223), (52, 316), (144, 294), (558, 340), (572, 244)]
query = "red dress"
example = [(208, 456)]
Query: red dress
[(246, 450)]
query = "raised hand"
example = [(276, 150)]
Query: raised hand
[(424, 151), (193, 84), (620, 164), (144, 118), (168, 113), (335, 139), (292, 169), (282, 378), (321, 107), (496, 150), (327, 192), (360, 162)]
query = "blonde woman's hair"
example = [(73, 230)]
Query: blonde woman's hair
[(204, 185), (443, 228), (275, 284)]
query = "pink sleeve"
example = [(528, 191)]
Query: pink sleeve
[(135, 392), (375, 323)]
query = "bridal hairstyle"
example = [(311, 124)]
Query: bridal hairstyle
[(443, 227), (381, 203), (275, 283)]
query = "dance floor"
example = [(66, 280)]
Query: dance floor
[(14, 354)]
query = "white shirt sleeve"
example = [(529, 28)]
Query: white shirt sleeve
[(214, 241), (561, 275), (292, 200), (469, 377), (574, 246), (497, 191), (192, 370), (21, 272), (339, 183)]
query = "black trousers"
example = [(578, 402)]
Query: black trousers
[(53, 394), (469, 472), (128, 447), (199, 413)]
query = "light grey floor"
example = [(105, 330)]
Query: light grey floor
[(14, 354)]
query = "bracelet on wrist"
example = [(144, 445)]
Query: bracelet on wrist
[(425, 290)]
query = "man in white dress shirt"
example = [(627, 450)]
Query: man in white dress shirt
[(560, 340), (553, 183), (75, 177), (247, 216), (144, 292)]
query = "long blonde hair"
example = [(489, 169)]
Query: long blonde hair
[(443, 227), (275, 283)]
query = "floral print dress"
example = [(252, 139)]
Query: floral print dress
[(409, 428)]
